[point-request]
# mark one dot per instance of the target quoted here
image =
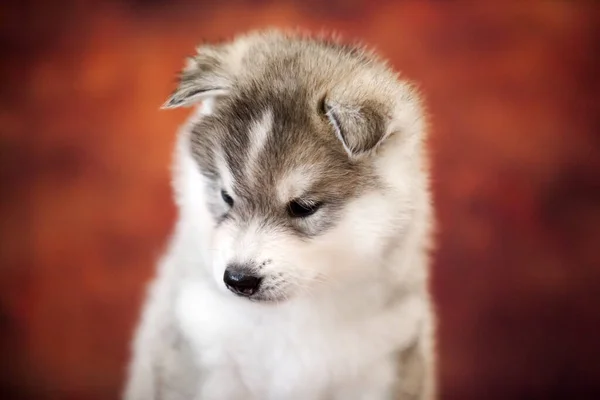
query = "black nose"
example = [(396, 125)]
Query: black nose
[(240, 281)]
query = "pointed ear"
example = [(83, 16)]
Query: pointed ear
[(360, 127), (371, 108), (204, 77)]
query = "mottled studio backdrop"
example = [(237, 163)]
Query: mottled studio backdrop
[(85, 203)]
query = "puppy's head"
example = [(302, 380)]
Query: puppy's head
[(301, 166)]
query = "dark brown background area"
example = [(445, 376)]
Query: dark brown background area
[(86, 207)]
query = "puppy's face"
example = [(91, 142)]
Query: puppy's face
[(283, 177)]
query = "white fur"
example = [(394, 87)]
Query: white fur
[(259, 133)]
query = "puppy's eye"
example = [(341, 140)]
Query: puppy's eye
[(227, 198), (298, 209)]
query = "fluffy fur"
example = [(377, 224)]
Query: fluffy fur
[(285, 120)]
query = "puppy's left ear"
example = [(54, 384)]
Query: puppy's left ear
[(366, 113), (360, 127), (204, 77)]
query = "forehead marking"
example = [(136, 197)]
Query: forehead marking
[(257, 138)]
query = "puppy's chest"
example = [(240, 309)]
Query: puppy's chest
[(268, 356)]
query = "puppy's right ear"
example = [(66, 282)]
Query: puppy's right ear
[(204, 77)]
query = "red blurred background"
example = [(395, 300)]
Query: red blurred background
[(86, 208)]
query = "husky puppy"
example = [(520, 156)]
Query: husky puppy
[(298, 267)]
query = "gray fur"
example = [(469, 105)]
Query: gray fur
[(283, 81)]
